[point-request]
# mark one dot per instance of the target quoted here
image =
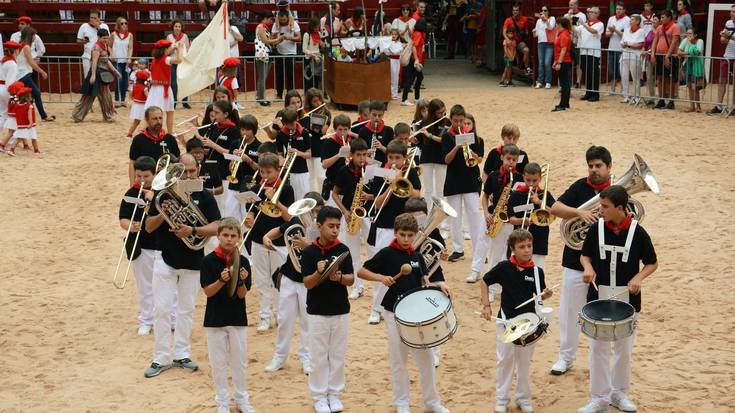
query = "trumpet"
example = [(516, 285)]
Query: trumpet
[(270, 207), (302, 209), (542, 217), (236, 164), (469, 160)]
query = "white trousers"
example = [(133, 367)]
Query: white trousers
[(573, 298), (173, 287), (383, 237), (539, 260), (291, 305), (432, 180), (228, 350), (607, 380), (395, 71), (471, 204), (398, 353), (233, 207), (498, 246), (86, 65), (264, 263), (300, 184), (4, 99), (631, 66), (512, 359), (317, 174), (327, 351), (221, 199), (143, 270), (353, 242)]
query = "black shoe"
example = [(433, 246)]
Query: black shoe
[(186, 105), (576, 85), (670, 106), (593, 99), (456, 256), (279, 97), (585, 97), (448, 57), (559, 109), (660, 105), (715, 111), (264, 102)]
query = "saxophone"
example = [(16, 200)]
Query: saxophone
[(500, 215), (357, 212)]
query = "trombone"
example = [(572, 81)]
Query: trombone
[(125, 241), (236, 164), (542, 217), (400, 186)]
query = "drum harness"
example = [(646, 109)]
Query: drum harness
[(539, 302), (614, 251)]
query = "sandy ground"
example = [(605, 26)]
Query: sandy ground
[(68, 337)]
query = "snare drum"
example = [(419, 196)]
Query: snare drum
[(607, 320), (425, 317), (536, 329)]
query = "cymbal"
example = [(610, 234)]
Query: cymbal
[(516, 330)]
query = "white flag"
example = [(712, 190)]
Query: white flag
[(198, 68)]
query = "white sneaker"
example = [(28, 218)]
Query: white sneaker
[(356, 293), (406, 103), (321, 406), (538, 85), (473, 277), (395, 97), (500, 408), (403, 409), (625, 100), (265, 324), (437, 359), (560, 367), (245, 407), (548, 86), (439, 408), (467, 236), (593, 407), (335, 404), (374, 318), (306, 366), (609, 93), (623, 403), (274, 365), (525, 406), (144, 330), (223, 409)]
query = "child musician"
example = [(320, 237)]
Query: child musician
[(343, 195), (225, 318), (328, 309), (462, 187), (376, 133), (223, 138), (291, 101), (292, 293), (612, 254), (521, 279), (228, 79), (363, 111), (266, 261), (294, 138), (212, 181), (247, 167), (145, 251), (318, 125), (520, 204), (332, 159), (139, 96), (510, 134), (383, 267), (389, 206)]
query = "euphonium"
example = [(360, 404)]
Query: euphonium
[(179, 210), (270, 207), (429, 248), (302, 209), (357, 212), (500, 214), (638, 178), (542, 217)]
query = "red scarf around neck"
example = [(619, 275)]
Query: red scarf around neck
[(177, 37), (265, 184), (504, 174), (683, 13), (323, 249), (515, 262), (156, 139), (396, 246), (499, 149), (7, 59), (404, 18), (593, 21), (454, 132), (340, 140), (617, 229), (136, 185), (371, 127), (299, 130), (123, 37), (222, 126), (101, 45), (599, 187), (223, 256), (524, 188), (622, 16), (356, 170), (315, 37)]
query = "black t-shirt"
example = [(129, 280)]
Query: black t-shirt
[(577, 194), (388, 262), (330, 297), (301, 142), (223, 310), (264, 223), (540, 234), (144, 146), (287, 268), (245, 172), (145, 240), (346, 181), (460, 178), (641, 252), (431, 150), (395, 205), (383, 133), (494, 186), (228, 138), (175, 253), (494, 161), (518, 286), (209, 171), (330, 148), (316, 137)]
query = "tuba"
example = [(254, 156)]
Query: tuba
[(638, 178), (270, 208), (429, 248), (180, 210), (302, 209)]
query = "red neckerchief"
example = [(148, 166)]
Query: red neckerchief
[(355, 23), (342, 141), (633, 31), (101, 45), (381, 126), (515, 262), (647, 17), (683, 13), (455, 133), (223, 126), (221, 255), (299, 130), (7, 59), (265, 184), (599, 187), (617, 229), (136, 185), (499, 149), (665, 28), (593, 21), (396, 246), (524, 188), (359, 119), (324, 249), (355, 169), (404, 19), (504, 174), (155, 139), (179, 37), (416, 16), (123, 37), (622, 16), (315, 37)]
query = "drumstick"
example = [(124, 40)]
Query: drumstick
[(594, 285), (186, 120), (534, 297), (617, 294), (405, 269)]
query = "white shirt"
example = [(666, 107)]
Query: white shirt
[(541, 28), (120, 47), (646, 23), (620, 24), (582, 18), (9, 72), (90, 32), (400, 25), (286, 46), (173, 41), (632, 38), (37, 48), (590, 43), (730, 48), (234, 44), (24, 67)]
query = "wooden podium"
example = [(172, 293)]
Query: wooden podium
[(348, 83)]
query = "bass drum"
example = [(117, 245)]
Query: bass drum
[(425, 317), (607, 320)]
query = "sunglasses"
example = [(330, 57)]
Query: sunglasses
[(544, 9)]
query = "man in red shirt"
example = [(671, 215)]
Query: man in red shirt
[(665, 60), (520, 24)]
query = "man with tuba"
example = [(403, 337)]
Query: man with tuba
[(152, 141), (176, 274), (574, 290)]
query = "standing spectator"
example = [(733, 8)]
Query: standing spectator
[(263, 43), (339, 28), (455, 9), (521, 26), (692, 49), (632, 43), (615, 26), (312, 46), (355, 25), (26, 66), (290, 33), (37, 48), (647, 53), (87, 35), (509, 55), (178, 36), (235, 38), (122, 52), (546, 36), (404, 23), (208, 7), (647, 17), (666, 63), (576, 16), (684, 21), (393, 51), (160, 93), (481, 37), (590, 42), (470, 27), (97, 83), (414, 70), (727, 68), (563, 62)]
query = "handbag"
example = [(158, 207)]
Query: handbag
[(406, 55), (106, 76)]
